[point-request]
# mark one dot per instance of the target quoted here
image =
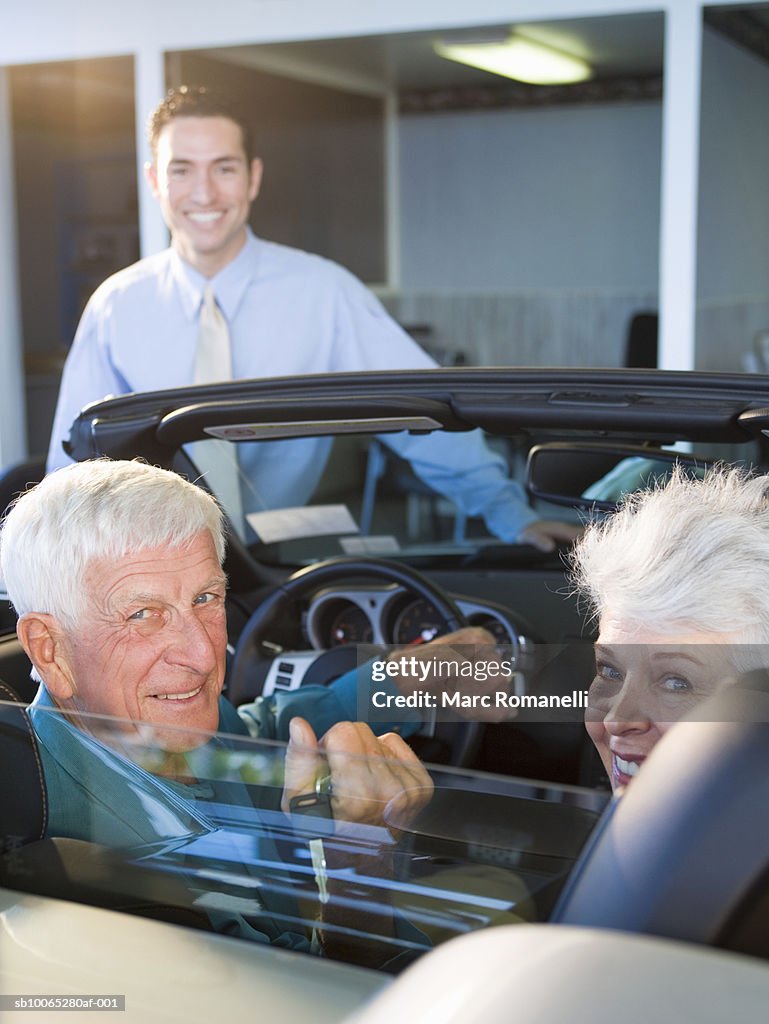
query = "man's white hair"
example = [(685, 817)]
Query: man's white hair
[(95, 510), (689, 554)]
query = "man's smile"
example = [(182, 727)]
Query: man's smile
[(207, 217), (178, 696)]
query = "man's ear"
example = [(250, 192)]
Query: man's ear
[(151, 176), (42, 638), (257, 169)]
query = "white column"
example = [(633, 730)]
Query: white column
[(150, 88), (680, 178), (392, 190), (13, 432)]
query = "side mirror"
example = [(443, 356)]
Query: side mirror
[(597, 476)]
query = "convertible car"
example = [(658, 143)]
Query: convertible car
[(522, 888)]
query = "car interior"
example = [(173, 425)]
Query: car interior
[(521, 827)]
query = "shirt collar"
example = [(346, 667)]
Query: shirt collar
[(229, 285)]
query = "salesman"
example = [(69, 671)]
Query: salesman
[(222, 304)]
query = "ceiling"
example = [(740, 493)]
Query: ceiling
[(620, 46), (626, 45)]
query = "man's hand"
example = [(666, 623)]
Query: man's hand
[(546, 534), (375, 780), (466, 661)]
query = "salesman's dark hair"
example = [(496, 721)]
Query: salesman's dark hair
[(199, 101)]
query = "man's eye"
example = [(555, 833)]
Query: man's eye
[(141, 616), (207, 598)]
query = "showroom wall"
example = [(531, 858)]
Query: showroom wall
[(531, 236), (733, 238), (76, 206), (566, 197)]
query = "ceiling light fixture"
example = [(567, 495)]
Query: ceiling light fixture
[(518, 58)]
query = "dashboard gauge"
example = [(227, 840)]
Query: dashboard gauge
[(350, 625), (497, 629), (418, 623)]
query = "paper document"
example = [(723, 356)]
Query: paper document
[(306, 521)]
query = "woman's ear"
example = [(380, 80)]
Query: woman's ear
[(42, 638)]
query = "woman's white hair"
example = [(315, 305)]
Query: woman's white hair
[(95, 510), (689, 553)]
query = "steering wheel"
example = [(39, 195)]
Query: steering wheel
[(243, 682)]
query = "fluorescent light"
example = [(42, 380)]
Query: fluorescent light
[(518, 58)]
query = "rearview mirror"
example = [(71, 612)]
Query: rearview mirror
[(596, 476)]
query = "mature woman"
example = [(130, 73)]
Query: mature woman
[(677, 580)]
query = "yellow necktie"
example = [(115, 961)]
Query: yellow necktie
[(213, 360), (217, 460)]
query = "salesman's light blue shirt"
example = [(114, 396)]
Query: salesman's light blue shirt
[(288, 312)]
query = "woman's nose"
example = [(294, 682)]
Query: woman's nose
[(627, 712)]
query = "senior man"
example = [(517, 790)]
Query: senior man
[(115, 570)]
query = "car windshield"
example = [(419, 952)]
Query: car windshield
[(302, 499), (207, 832), (297, 500)]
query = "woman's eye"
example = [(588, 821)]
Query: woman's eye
[(675, 684), (141, 616), (608, 672), (605, 685)]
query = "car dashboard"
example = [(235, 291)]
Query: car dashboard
[(392, 615)]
